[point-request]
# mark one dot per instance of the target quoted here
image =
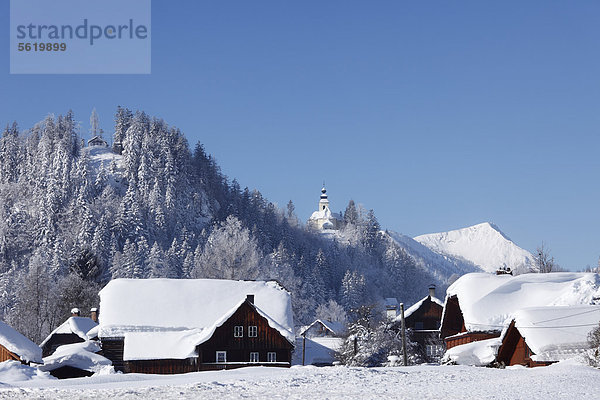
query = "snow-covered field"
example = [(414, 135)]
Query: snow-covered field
[(566, 380)]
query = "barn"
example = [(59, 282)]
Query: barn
[(15, 346), (544, 335), (477, 305), (170, 326), (73, 330)]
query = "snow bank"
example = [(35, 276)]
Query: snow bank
[(479, 353), (556, 333), (80, 326), (18, 344), (13, 371), (483, 244), (487, 301), (77, 355)]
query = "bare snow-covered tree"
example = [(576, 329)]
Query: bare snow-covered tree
[(332, 311), (230, 253), (544, 262)]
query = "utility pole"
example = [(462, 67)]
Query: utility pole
[(403, 334), (303, 346)]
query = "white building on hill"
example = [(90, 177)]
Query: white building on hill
[(323, 218)]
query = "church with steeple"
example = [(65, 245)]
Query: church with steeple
[(323, 218)]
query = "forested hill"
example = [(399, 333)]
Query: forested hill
[(73, 216)]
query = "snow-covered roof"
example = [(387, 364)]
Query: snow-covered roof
[(417, 305), (487, 300), (77, 325), (18, 344), (77, 355), (93, 333), (556, 333), (167, 318), (337, 328)]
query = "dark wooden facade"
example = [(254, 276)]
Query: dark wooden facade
[(453, 321), (238, 349), (453, 329), (426, 317), (514, 350), (59, 339), (424, 324), (6, 354)]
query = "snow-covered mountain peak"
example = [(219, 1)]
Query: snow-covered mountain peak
[(485, 245)]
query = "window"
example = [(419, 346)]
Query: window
[(238, 331), (272, 356), (254, 356), (221, 356), (434, 350), (252, 331)]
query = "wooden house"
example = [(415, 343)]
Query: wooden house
[(170, 326), (97, 141), (73, 330), (545, 335), (15, 346), (323, 328), (319, 342), (423, 319), (478, 304)]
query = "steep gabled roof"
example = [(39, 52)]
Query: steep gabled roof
[(487, 301), (190, 309), (408, 312), (18, 344), (79, 326), (337, 328)]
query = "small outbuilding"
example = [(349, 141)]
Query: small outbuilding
[(15, 346), (73, 330), (97, 141), (75, 360), (544, 335), (323, 328)]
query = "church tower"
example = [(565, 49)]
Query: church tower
[(323, 201), (323, 218)]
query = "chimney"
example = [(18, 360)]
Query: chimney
[(250, 298), (94, 314), (75, 312), (432, 290)]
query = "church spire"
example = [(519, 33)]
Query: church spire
[(323, 201)]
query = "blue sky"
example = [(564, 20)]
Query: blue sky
[(436, 115)]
